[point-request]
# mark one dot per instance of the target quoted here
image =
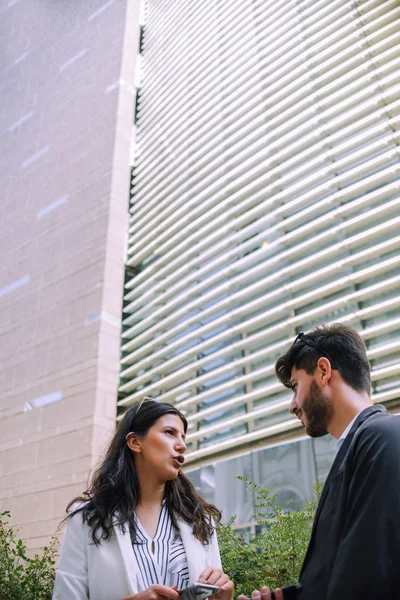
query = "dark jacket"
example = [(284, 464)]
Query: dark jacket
[(354, 551)]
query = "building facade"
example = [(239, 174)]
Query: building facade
[(265, 200), (66, 111)]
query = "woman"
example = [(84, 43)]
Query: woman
[(141, 531)]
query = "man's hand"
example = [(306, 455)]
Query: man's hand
[(263, 594), (156, 592), (213, 576)]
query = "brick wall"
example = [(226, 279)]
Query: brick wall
[(66, 109)]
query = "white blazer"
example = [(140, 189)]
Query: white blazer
[(109, 571)]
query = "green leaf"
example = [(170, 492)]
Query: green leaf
[(275, 557), (21, 576)]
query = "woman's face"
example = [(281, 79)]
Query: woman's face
[(161, 450)]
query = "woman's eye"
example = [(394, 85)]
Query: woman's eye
[(169, 431)]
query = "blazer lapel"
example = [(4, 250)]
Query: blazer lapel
[(341, 455), (195, 555), (131, 567), (195, 552), (337, 463), (334, 469)]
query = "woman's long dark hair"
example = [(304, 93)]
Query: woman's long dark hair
[(114, 492)]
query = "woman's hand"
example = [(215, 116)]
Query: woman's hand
[(217, 577), (156, 592)]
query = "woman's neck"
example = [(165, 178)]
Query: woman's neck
[(148, 508), (151, 491)]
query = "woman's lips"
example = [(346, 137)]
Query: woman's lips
[(178, 460)]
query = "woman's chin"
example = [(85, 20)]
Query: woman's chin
[(171, 475)]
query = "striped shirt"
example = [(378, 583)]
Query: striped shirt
[(161, 559)]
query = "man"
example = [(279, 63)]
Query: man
[(354, 551)]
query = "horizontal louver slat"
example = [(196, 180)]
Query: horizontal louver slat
[(265, 199)]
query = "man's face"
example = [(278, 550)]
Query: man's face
[(311, 406)]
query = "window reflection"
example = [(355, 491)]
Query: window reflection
[(291, 469)]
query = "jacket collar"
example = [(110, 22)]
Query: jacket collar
[(131, 567), (341, 456), (364, 415), (195, 554), (195, 551)]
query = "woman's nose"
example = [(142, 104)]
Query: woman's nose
[(181, 446)]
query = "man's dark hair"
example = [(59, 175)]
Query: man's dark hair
[(339, 343)]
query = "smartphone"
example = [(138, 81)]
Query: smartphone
[(198, 591)]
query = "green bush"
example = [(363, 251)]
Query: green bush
[(21, 577), (274, 557)]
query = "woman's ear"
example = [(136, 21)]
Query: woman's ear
[(133, 442)]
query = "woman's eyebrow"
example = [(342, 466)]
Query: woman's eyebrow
[(175, 430)]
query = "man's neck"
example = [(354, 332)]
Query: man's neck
[(348, 405)]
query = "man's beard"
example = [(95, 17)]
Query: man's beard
[(318, 410)]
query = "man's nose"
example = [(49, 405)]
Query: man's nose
[(293, 407)]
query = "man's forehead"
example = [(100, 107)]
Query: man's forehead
[(296, 373)]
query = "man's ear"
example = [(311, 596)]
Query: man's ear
[(324, 370), (133, 442)]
